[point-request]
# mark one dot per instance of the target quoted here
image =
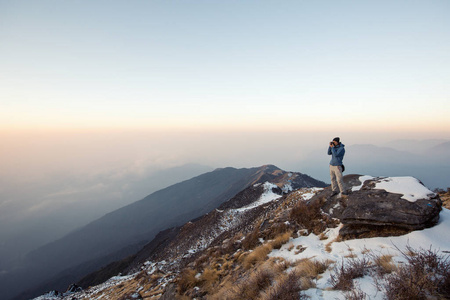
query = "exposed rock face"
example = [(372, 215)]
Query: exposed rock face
[(370, 210)]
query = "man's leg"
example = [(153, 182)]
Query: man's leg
[(340, 179), (334, 186)]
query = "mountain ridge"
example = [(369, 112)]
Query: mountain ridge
[(246, 249), (198, 195)]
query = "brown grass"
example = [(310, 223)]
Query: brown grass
[(187, 281), (311, 268), (291, 246), (310, 217), (384, 264), (257, 255), (323, 236), (275, 230), (209, 278), (251, 284), (445, 197), (300, 249), (257, 282), (328, 245), (280, 240), (306, 215), (252, 239)]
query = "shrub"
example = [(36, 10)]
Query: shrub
[(426, 274), (288, 287), (310, 216), (343, 276), (355, 294), (305, 214)]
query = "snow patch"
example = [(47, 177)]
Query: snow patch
[(410, 187), (308, 193), (362, 179), (266, 197), (287, 188)]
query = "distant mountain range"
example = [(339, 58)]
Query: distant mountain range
[(126, 230)]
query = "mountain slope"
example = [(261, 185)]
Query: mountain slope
[(268, 244), (140, 222)]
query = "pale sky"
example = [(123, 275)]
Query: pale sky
[(309, 65)]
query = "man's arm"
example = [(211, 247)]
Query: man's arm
[(329, 150), (338, 151)]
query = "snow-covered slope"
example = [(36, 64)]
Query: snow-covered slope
[(437, 237)]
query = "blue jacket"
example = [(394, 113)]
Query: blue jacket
[(337, 154)]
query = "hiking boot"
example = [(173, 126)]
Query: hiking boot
[(333, 193), (345, 193)]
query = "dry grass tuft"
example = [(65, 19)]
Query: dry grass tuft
[(252, 239), (275, 230), (323, 236), (445, 198), (311, 268), (187, 281), (281, 239), (291, 246), (251, 285), (384, 264), (328, 245), (257, 255), (209, 278)]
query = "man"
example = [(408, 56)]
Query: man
[(337, 151)]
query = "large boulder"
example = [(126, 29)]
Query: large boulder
[(382, 206)]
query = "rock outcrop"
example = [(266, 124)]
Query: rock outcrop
[(381, 206)]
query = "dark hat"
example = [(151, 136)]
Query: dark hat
[(336, 139)]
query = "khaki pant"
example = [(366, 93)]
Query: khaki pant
[(336, 175)]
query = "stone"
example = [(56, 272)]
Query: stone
[(370, 211)]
